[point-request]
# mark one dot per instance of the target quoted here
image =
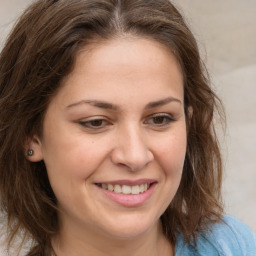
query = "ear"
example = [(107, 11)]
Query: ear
[(190, 112), (34, 146)]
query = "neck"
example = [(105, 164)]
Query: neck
[(73, 243)]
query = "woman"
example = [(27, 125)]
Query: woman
[(108, 142)]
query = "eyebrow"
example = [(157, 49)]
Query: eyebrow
[(107, 105), (162, 102), (96, 103)]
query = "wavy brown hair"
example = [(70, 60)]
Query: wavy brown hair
[(41, 51)]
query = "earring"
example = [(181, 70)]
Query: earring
[(30, 152)]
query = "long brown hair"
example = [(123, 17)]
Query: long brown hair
[(41, 51)]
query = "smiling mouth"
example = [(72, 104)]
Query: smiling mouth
[(125, 189)]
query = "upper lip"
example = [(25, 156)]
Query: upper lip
[(128, 182)]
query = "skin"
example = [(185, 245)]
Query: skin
[(127, 141)]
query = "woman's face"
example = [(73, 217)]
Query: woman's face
[(117, 123)]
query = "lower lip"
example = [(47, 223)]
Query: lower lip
[(129, 200)]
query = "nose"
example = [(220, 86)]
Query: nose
[(131, 150)]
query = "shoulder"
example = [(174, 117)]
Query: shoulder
[(229, 237)]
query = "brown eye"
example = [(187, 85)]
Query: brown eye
[(96, 123), (159, 120)]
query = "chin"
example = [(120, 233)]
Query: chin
[(132, 228)]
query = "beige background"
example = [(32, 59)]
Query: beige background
[(226, 31)]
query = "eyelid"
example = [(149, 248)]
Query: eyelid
[(92, 118), (161, 114)]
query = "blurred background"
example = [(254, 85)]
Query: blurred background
[(226, 33)]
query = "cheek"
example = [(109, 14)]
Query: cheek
[(172, 152), (69, 152), (88, 155), (171, 157), (72, 165)]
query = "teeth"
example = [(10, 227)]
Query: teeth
[(105, 186), (125, 189), (110, 187), (135, 190), (142, 188), (117, 188)]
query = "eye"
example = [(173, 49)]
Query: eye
[(160, 120), (94, 123)]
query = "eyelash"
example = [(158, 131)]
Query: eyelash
[(101, 122), (89, 123), (162, 116)]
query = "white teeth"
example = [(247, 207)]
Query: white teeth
[(126, 189), (110, 187), (135, 190), (117, 189), (142, 188)]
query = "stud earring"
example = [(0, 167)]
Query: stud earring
[(30, 152)]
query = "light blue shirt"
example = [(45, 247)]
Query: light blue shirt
[(230, 238)]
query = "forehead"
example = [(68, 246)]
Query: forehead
[(126, 51), (133, 65)]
